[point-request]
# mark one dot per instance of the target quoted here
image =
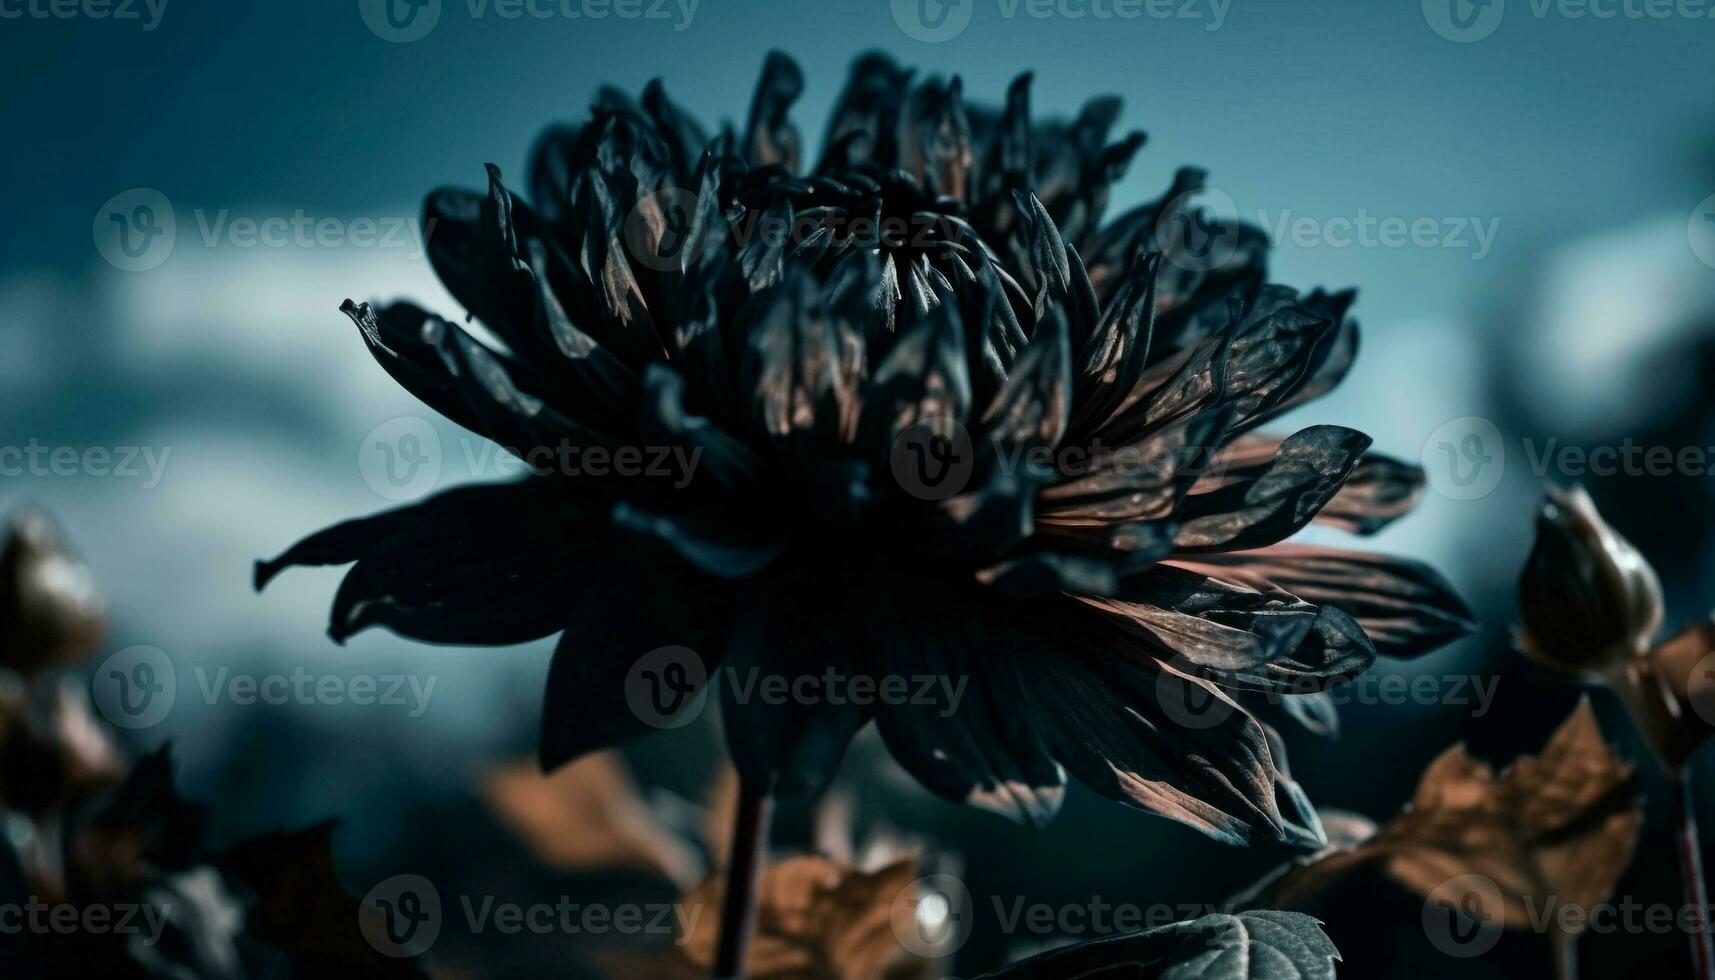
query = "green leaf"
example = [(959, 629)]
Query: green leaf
[(1261, 945)]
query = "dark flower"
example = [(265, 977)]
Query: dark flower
[(1588, 600), (943, 421), (1590, 605)]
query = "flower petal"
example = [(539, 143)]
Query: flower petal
[(721, 547), (970, 737), (479, 569), (1378, 491), (1117, 724), (924, 378), (770, 138), (348, 541), (395, 338), (1266, 507), (1240, 637), (1406, 608), (787, 640), (641, 601), (863, 125), (1029, 413)]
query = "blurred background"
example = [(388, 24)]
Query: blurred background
[(1557, 289)]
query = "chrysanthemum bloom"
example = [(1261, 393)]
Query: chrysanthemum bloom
[(931, 418)]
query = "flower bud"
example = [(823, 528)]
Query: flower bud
[(51, 613), (1588, 600)]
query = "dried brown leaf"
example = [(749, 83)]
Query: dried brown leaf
[(1563, 823), (816, 920), (588, 816), (1678, 668)]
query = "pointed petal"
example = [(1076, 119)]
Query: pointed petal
[(771, 138), (348, 541), (1304, 475), (479, 569), (1406, 608)]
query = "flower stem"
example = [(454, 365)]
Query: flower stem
[(1565, 947), (749, 853), (1691, 876)]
